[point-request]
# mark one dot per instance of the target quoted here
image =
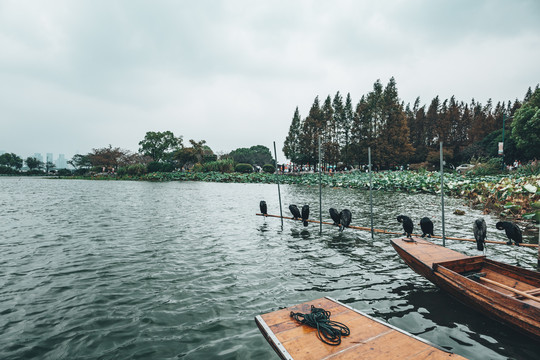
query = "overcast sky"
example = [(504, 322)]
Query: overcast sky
[(77, 75)]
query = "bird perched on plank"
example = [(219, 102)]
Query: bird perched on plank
[(264, 209), (513, 232), (408, 225), (334, 215), (295, 212), (305, 214), (480, 232), (427, 227), (345, 218)]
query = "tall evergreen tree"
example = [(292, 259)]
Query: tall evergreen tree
[(453, 118), (432, 120), (361, 135), (330, 133), (309, 137), (346, 132), (394, 145), (291, 146), (339, 118)]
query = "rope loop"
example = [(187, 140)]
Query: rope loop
[(328, 331)]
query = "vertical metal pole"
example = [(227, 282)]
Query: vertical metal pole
[(538, 248), (370, 190), (278, 190), (442, 197), (320, 188), (504, 118)]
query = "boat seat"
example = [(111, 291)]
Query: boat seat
[(534, 292)]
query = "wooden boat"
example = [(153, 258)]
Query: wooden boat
[(369, 338), (506, 293)]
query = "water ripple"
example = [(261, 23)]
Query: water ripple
[(128, 270)]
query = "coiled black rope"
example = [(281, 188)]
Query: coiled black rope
[(328, 331)]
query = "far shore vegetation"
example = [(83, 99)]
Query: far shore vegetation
[(404, 142)]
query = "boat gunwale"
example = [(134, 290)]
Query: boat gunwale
[(387, 324), (476, 294)]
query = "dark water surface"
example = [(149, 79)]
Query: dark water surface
[(138, 270)]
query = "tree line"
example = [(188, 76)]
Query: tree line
[(158, 151), (401, 134)]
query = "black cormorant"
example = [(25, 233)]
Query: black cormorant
[(295, 212), (480, 232), (513, 232), (305, 214), (427, 227), (408, 225), (264, 209), (345, 218), (334, 215)]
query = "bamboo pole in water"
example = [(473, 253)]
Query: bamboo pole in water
[(442, 197), (382, 231), (278, 190), (320, 187), (370, 190)]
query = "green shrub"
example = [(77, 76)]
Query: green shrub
[(78, 172), (210, 166), (223, 166), (268, 168), (156, 166), (7, 170), (244, 168), (529, 169), (64, 172), (136, 169), (491, 167), (209, 158), (423, 166), (153, 166), (197, 168)]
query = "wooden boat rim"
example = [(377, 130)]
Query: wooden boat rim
[(283, 353), (384, 323)]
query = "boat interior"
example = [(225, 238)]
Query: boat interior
[(510, 280)]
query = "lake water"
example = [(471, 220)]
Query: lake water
[(179, 270)]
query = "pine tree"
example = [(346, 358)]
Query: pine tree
[(339, 120), (432, 119), (291, 146), (330, 136), (394, 145), (347, 126), (360, 134), (453, 118), (312, 128), (478, 122)]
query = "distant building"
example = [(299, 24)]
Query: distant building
[(38, 156), (49, 157), (61, 162)]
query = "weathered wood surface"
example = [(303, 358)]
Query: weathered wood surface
[(503, 292), (369, 338)]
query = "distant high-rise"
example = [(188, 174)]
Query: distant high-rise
[(38, 156), (49, 158), (61, 162)]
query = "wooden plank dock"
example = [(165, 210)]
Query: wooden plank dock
[(369, 339)]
